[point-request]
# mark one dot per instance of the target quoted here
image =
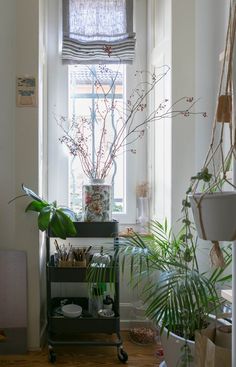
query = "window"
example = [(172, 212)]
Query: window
[(87, 100), (89, 25), (70, 91)]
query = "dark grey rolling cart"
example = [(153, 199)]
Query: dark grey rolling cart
[(81, 330)]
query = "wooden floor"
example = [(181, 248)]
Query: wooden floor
[(139, 356)]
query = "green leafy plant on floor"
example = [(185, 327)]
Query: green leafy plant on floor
[(59, 220), (178, 296)]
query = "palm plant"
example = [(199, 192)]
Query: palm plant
[(177, 294)]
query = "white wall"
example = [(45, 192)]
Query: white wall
[(182, 83), (190, 44), (211, 19), (19, 143), (7, 119), (211, 22), (197, 41)]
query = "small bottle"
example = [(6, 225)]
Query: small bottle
[(108, 303), (56, 259), (52, 262)]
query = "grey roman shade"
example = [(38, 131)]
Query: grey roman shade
[(90, 26)]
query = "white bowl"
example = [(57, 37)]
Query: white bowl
[(71, 310)]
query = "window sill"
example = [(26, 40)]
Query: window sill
[(131, 230)]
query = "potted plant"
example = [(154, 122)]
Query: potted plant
[(178, 295), (59, 220), (213, 210)]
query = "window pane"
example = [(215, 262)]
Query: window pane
[(87, 87)]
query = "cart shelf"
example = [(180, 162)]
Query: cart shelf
[(95, 229), (71, 331), (62, 325), (74, 274)]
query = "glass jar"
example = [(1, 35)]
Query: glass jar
[(96, 298), (143, 213)]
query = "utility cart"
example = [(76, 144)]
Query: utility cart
[(89, 328)]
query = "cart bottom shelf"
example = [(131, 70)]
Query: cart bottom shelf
[(85, 339), (113, 339)]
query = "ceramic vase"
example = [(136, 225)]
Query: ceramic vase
[(97, 201)]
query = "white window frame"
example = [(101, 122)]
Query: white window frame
[(58, 167)]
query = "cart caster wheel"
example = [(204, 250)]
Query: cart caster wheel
[(52, 356), (122, 355)]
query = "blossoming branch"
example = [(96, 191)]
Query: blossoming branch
[(114, 126)]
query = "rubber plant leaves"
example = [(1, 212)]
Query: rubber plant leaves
[(58, 220)]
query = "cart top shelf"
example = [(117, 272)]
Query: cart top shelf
[(95, 229)]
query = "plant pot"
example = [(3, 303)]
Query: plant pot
[(172, 345), (97, 201), (214, 215)]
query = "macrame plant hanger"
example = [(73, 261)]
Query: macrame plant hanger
[(217, 160)]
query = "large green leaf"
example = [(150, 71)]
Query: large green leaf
[(67, 223), (35, 206), (44, 217), (31, 193), (61, 225), (70, 213), (57, 227)]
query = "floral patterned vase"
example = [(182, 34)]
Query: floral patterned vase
[(97, 202)]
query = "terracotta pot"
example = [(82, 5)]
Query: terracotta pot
[(214, 215)]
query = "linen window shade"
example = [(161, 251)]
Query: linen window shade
[(89, 26)]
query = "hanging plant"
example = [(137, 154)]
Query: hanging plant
[(214, 208)]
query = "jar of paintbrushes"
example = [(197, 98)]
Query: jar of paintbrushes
[(68, 256), (80, 256), (63, 255)]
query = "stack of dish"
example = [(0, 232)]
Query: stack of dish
[(71, 310)]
